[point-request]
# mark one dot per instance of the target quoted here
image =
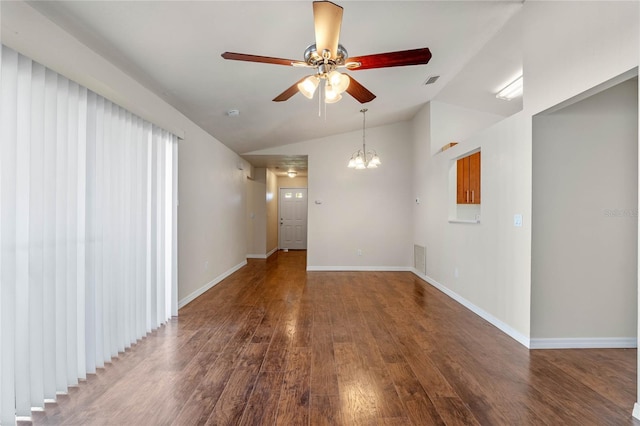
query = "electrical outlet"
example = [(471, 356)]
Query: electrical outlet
[(455, 273), (359, 252)]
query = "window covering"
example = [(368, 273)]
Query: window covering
[(87, 232)]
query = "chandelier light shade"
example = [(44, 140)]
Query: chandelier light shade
[(363, 159)]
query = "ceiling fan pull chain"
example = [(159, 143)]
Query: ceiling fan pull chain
[(325, 107), (320, 100)]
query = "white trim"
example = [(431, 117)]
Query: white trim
[(360, 268), (585, 343), (453, 220), (262, 256), (636, 410), (501, 325), (272, 251), (190, 298)]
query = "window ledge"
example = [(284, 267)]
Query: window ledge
[(453, 220)]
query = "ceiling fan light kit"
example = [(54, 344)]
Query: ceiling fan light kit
[(326, 55), (308, 86)]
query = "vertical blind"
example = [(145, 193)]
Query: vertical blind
[(87, 232)]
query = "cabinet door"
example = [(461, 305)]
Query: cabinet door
[(463, 180), (468, 180), (474, 178)]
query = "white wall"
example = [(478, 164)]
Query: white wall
[(467, 123), (211, 225), (585, 218), (256, 219), (485, 265), (572, 47), (360, 209), (294, 182), (272, 212), (569, 47), (636, 407)]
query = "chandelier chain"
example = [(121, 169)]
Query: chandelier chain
[(364, 117)]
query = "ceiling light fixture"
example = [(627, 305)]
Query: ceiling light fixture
[(292, 174), (334, 83), (363, 159), (512, 90)]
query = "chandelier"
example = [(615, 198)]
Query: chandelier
[(363, 159)]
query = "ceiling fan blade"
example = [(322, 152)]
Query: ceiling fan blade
[(391, 59), (327, 19), (256, 58), (359, 92), (289, 92)]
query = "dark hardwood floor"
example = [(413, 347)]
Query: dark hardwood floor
[(273, 344)]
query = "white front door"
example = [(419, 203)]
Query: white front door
[(293, 218)]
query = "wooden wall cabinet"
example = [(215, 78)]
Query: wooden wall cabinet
[(468, 191)]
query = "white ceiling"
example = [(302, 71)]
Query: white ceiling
[(174, 47)]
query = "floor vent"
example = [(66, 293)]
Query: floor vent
[(420, 259)]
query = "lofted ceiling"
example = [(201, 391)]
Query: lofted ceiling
[(174, 48)]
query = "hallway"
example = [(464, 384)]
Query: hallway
[(274, 344)]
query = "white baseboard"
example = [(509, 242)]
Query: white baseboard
[(271, 252), (262, 256), (585, 343), (501, 325), (360, 268), (190, 298), (636, 410)]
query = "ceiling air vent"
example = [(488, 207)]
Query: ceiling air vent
[(431, 79)]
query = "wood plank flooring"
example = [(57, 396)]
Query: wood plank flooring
[(275, 345)]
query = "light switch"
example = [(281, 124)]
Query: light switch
[(517, 220)]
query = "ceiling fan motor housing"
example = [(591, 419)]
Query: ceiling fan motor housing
[(315, 59)]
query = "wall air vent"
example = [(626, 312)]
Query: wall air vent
[(432, 79)]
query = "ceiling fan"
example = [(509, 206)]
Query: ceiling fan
[(327, 55)]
